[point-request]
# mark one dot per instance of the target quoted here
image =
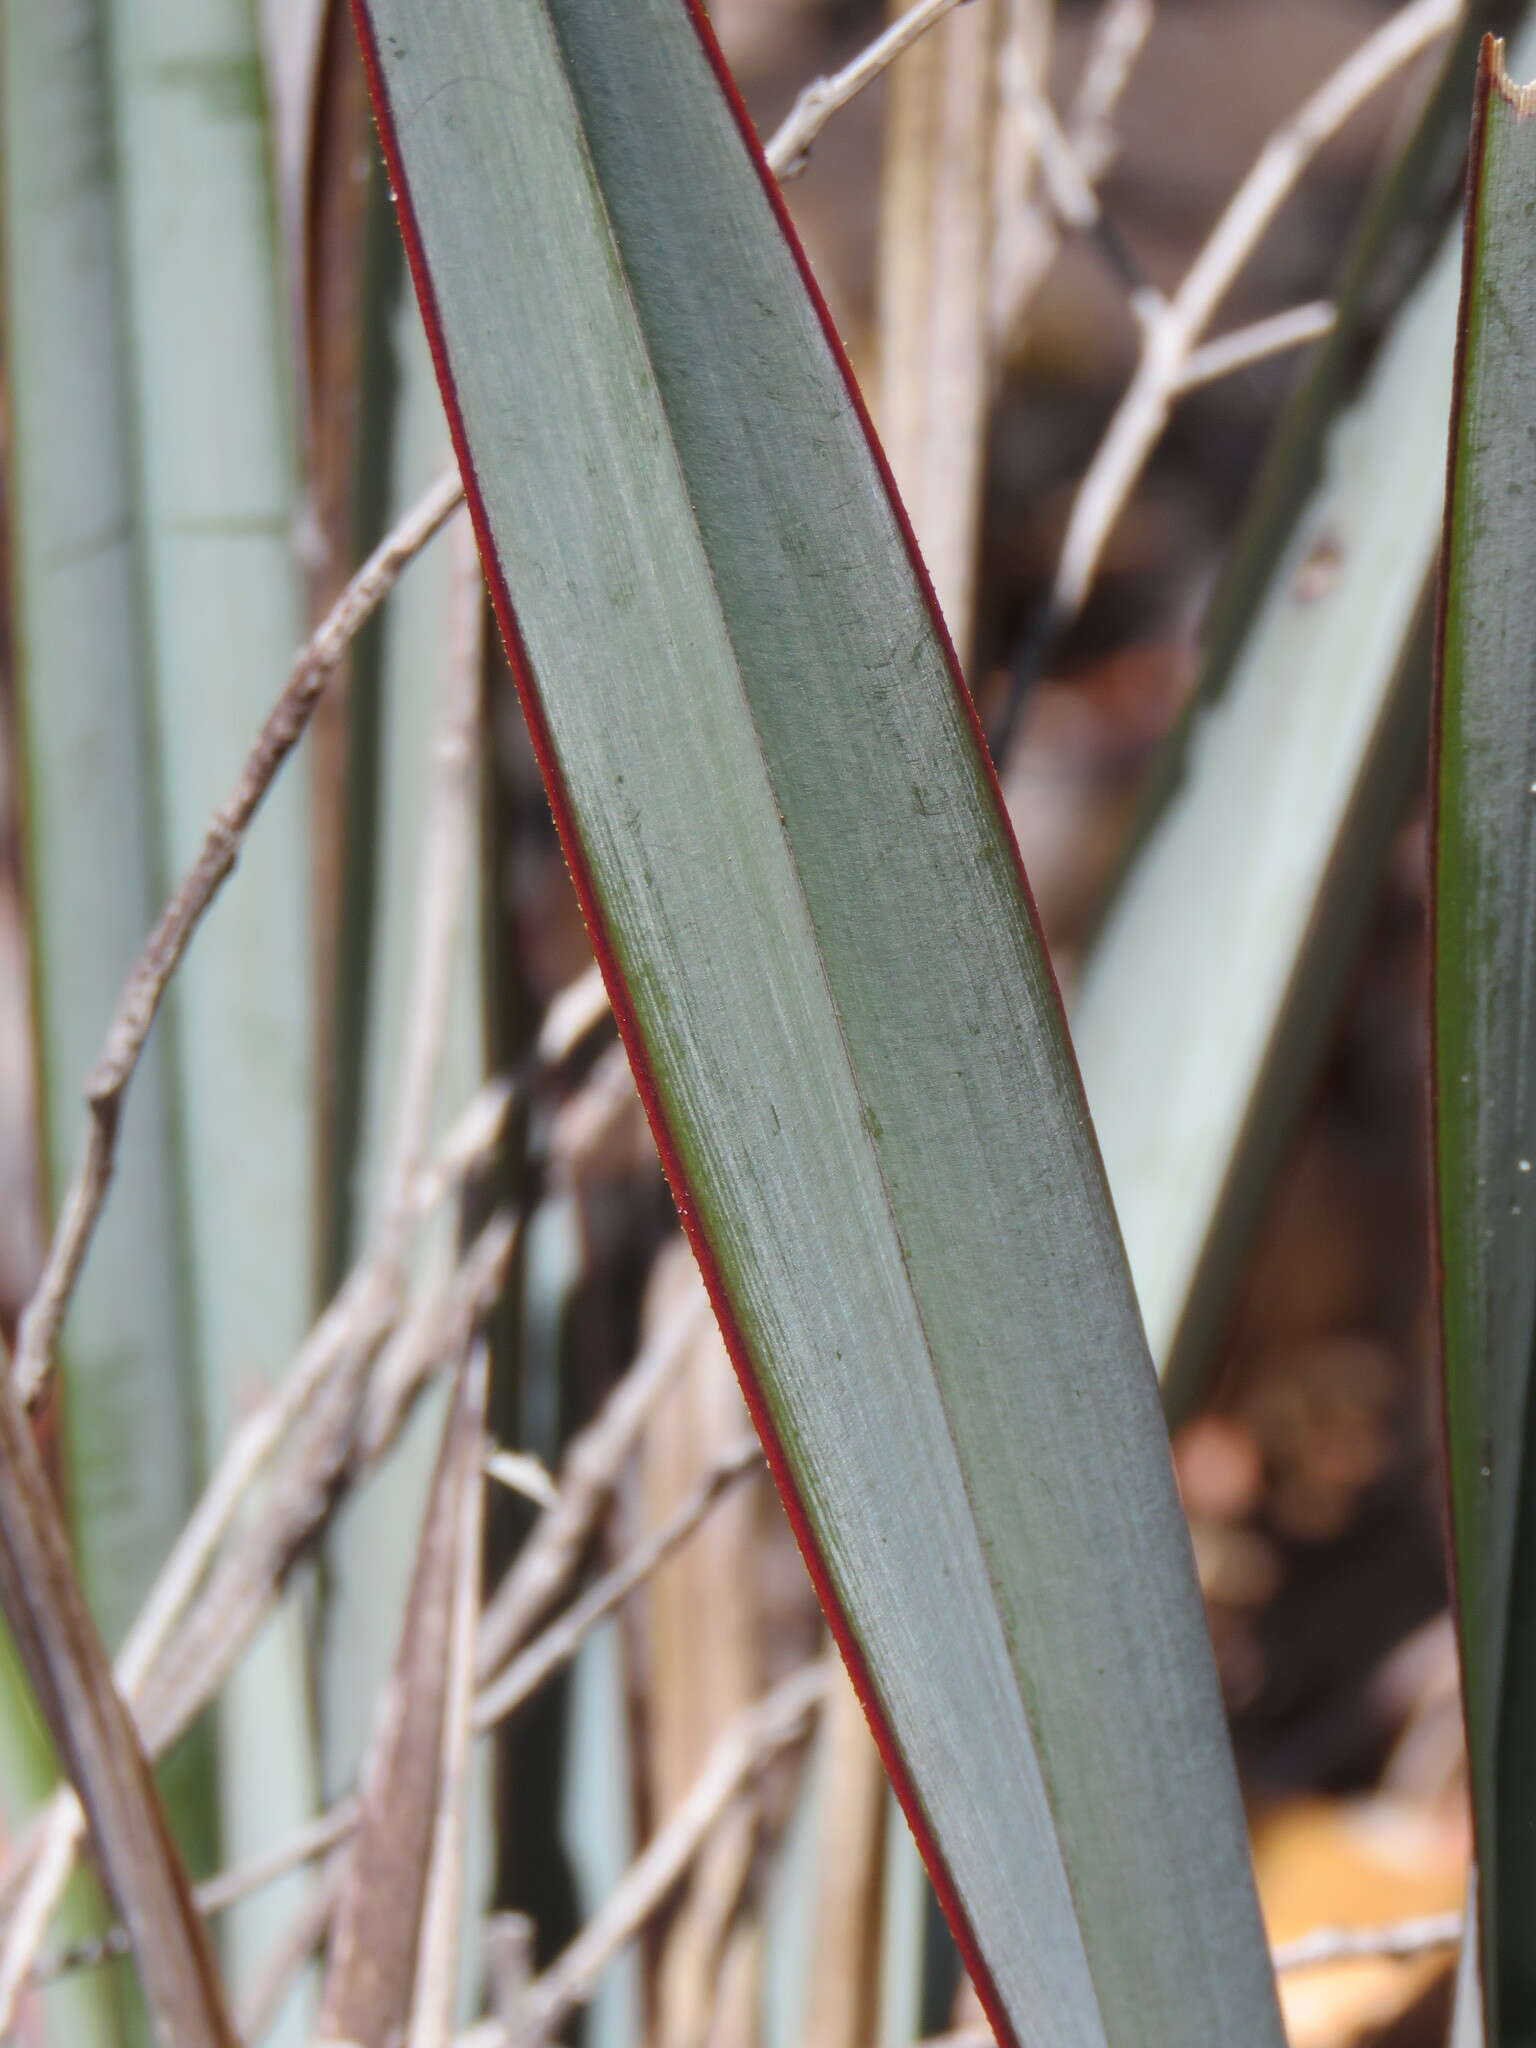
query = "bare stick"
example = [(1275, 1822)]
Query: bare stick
[(437, 1948), (375, 1940), (1116, 42), (1171, 328), (559, 1541), (741, 1754), (177, 1676), (520, 1472), (509, 1969), (1071, 162), (1326, 1946), (1257, 341), (219, 1893), (819, 101), (563, 1638), (554, 1647), (554, 1550), (206, 1648), (359, 1319), (572, 1017), (157, 962)]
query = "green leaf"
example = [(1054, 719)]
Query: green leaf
[(1485, 1024), (87, 792), (129, 1439), (158, 600), (803, 889), (1222, 956)]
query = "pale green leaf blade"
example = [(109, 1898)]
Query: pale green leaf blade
[(87, 794), (129, 1413), (205, 339), (1210, 984), (801, 879), (1221, 958)]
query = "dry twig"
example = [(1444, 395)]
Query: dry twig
[(174, 1678), (1245, 346), (790, 143), (1171, 328), (559, 1642), (322, 1456), (290, 1955), (590, 1471), (1118, 34), (767, 1729), (1325, 1947), (1072, 162), (151, 973)]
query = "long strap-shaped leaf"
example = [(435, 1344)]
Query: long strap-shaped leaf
[(213, 504), (1485, 1022), (810, 913), (1221, 958)]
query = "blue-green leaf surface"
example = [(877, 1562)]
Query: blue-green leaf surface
[(1485, 1028), (804, 892)]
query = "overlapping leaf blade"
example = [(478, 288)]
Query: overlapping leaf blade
[(1485, 1025), (157, 600), (129, 1433), (1221, 958), (802, 885)]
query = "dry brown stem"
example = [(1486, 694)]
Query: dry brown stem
[(151, 973), (769, 1727), (93, 1732), (559, 1642)]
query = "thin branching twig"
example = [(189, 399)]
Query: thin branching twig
[(589, 1475), (1250, 344), (1073, 159), (1326, 1947), (192, 1659), (790, 143), (770, 1726), (1171, 328), (558, 1542), (558, 1643), (151, 973)]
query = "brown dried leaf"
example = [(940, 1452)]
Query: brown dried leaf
[(99, 1746)]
